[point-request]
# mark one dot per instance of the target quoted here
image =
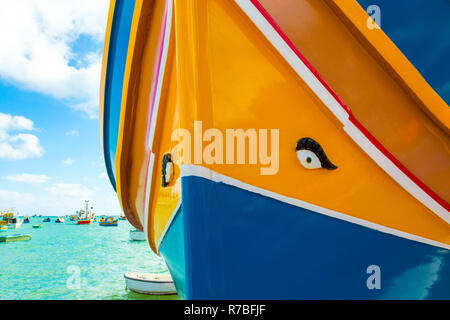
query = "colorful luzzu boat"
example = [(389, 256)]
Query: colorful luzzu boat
[(108, 222), (354, 205)]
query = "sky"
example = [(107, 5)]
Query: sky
[(50, 150)]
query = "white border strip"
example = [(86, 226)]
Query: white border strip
[(168, 225), (198, 171), (333, 105), (392, 170), (167, 34), (302, 70)]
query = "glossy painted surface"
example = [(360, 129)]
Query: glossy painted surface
[(269, 95), (369, 88), (298, 255), (423, 37), (208, 91), (149, 31), (221, 70), (173, 250), (114, 77)]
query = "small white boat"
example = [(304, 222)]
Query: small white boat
[(150, 283), (137, 235)]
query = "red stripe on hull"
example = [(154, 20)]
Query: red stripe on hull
[(352, 119)]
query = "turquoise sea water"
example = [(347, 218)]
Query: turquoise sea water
[(47, 266)]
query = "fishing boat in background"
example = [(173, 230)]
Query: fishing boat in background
[(15, 237), (36, 226), (248, 136), (108, 222), (11, 219), (3, 228), (137, 235), (46, 219), (26, 220), (122, 218), (150, 283), (60, 220), (85, 216)]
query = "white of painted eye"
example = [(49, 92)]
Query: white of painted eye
[(308, 159), (168, 175)]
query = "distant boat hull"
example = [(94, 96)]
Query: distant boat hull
[(153, 284), (85, 221), (137, 235), (108, 224), (36, 226)]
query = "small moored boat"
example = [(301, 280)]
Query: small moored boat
[(150, 283), (26, 220), (108, 222), (137, 235), (36, 226), (3, 228), (15, 237), (46, 220), (60, 220)]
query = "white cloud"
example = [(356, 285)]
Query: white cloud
[(68, 161), (103, 175), (75, 192), (15, 198), (39, 53), (29, 178), (73, 133), (18, 146)]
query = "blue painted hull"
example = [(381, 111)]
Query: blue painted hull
[(229, 243)]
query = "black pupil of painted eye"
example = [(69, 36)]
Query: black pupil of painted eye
[(308, 159)]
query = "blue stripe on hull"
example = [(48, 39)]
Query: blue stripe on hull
[(115, 72), (172, 249), (229, 243)]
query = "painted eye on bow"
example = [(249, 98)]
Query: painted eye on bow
[(311, 155), (167, 170)]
